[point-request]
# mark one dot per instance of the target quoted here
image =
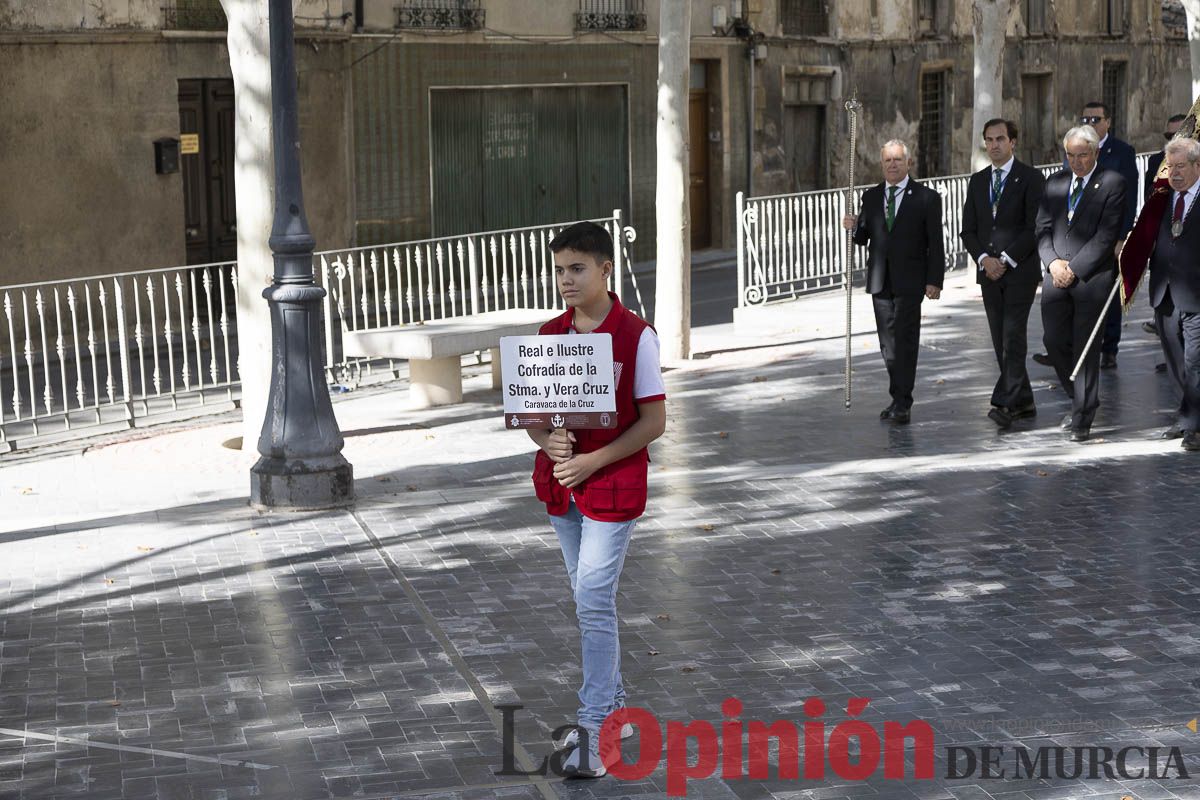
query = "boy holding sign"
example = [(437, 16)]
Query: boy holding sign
[(593, 481)]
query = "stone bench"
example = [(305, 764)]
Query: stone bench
[(434, 350)]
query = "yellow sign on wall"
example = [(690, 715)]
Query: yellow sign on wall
[(189, 143)]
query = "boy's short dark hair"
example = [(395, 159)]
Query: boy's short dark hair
[(584, 237), (1009, 127)]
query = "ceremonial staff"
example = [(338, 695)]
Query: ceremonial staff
[(1096, 330), (852, 107)]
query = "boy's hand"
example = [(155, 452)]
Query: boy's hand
[(559, 445), (574, 471)]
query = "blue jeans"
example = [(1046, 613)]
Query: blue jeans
[(594, 553)]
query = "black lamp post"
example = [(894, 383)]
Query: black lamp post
[(302, 466)]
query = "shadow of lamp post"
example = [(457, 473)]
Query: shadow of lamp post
[(302, 466)]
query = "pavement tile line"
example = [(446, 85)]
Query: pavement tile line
[(154, 751), (460, 664)]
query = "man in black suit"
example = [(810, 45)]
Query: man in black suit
[(998, 221), (1175, 287), (1152, 165), (901, 220), (1077, 226), (1117, 156), (1155, 161)]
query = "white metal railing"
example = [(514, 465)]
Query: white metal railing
[(87, 351), (83, 352), (793, 244), (451, 276)]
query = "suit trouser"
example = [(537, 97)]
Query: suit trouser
[(1007, 304), (1112, 329), (1068, 317), (1179, 332), (898, 321)]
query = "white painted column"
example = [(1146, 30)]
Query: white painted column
[(673, 269), (1191, 10), (990, 24), (254, 176)]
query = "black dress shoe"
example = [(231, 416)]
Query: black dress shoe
[(1160, 367), (1108, 361), (1191, 441), (1043, 359), (888, 412), (1023, 412), (1081, 433), (1067, 422), (1150, 327), (1173, 432), (1001, 417), (901, 416)]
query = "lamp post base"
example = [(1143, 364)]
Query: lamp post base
[(300, 484)]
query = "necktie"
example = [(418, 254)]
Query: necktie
[(1074, 199), (891, 206), (1178, 209), (997, 185)]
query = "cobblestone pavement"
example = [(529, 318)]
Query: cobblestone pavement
[(158, 639)]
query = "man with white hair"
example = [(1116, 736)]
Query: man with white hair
[(1078, 222), (906, 261), (1175, 288)]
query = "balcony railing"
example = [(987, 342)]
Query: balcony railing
[(440, 14), (194, 15), (610, 15)]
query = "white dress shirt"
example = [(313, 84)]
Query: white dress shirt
[(901, 187), (1189, 197)]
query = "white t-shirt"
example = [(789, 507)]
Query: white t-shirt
[(648, 384)]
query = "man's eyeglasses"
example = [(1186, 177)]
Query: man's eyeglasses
[(1090, 120)]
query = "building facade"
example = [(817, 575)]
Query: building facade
[(423, 118)]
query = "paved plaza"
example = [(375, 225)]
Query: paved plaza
[(159, 639)]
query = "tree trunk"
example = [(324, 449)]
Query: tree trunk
[(673, 270), (1191, 9), (254, 180), (990, 24)]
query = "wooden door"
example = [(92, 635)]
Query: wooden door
[(209, 208), (698, 190)]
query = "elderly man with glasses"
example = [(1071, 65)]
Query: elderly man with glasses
[(1175, 287), (1118, 156), (1077, 224)]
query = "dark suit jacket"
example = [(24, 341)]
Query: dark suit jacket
[(1012, 231), (911, 255), (1086, 243), (1177, 262), (1152, 165), (1119, 156)]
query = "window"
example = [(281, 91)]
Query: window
[(1113, 85), (1114, 16), (610, 15), (927, 16), (440, 14), (932, 141), (804, 17), (1037, 141), (1034, 12), (194, 15)]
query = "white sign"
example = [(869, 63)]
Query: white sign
[(558, 381)]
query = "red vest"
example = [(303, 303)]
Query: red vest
[(617, 492)]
